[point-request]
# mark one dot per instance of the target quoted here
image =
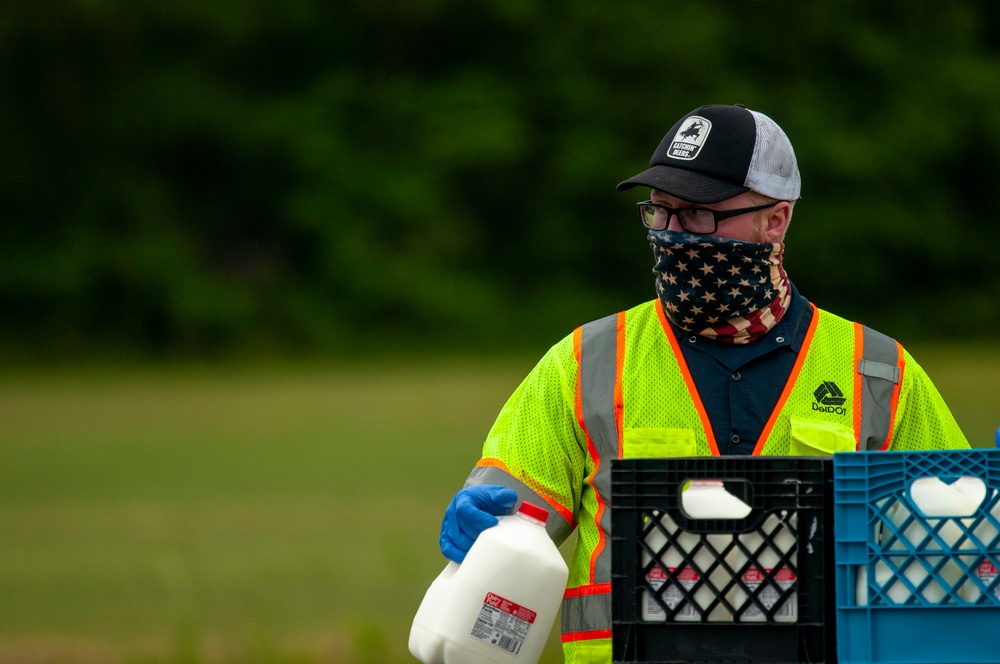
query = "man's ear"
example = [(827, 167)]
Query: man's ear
[(776, 224)]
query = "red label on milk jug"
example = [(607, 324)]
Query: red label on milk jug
[(987, 572), (672, 596), (503, 623), (784, 577)]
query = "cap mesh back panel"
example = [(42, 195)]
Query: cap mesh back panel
[(773, 169)]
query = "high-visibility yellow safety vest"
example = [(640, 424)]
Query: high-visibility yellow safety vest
[(619, 387)]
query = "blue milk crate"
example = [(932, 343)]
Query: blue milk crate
[(933, 594)]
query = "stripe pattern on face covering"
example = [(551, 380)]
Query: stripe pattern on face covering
[(724, 289)]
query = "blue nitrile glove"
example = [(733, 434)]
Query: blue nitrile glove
[(472, 510)]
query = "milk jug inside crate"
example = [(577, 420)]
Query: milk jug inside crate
[(703, 573), (935, 545)]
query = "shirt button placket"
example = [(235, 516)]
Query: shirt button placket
[(736, 377)]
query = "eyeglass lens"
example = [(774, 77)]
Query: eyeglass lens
[(657, 217)]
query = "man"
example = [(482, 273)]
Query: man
[(728, 359)]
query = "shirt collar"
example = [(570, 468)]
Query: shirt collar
[(792, 327)]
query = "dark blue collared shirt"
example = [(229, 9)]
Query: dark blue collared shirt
[(739, 384)]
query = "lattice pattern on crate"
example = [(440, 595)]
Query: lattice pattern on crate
[(932, 561), (719, 577), (945, 466)]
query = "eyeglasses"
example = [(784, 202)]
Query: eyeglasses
[(696, 220)]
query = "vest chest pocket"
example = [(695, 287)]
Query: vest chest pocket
[(818, 438), (657, 443)]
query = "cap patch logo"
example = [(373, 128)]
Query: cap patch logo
[(689, 138)]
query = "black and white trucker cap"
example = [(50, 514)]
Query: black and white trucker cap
[(717, 152)]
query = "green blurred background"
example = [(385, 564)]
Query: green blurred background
[(268, 270), (260, 176)]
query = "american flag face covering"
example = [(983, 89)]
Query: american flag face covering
[(727, 290)]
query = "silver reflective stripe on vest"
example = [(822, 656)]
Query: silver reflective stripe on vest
[(586, 613), (880, 371), (557, 527), (598, 346)]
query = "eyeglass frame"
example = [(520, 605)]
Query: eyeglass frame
[(717, 215)]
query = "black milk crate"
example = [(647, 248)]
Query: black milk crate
[(723, 591)]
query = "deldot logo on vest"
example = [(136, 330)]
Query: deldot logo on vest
[(829, 398)]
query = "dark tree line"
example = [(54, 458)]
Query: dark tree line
[(306, 176)]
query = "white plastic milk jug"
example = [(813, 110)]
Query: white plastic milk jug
[(700, 499), (986, 568), (936, 500), (499, 605), (775, 557), (671, 558)]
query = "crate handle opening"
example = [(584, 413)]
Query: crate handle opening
[(961, 497), (703, 498)]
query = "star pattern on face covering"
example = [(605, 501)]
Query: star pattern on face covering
[(705, 281), (742, 291)]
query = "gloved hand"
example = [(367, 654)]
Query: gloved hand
[(472, 510)]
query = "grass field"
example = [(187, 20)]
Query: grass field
[(266, 514)]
